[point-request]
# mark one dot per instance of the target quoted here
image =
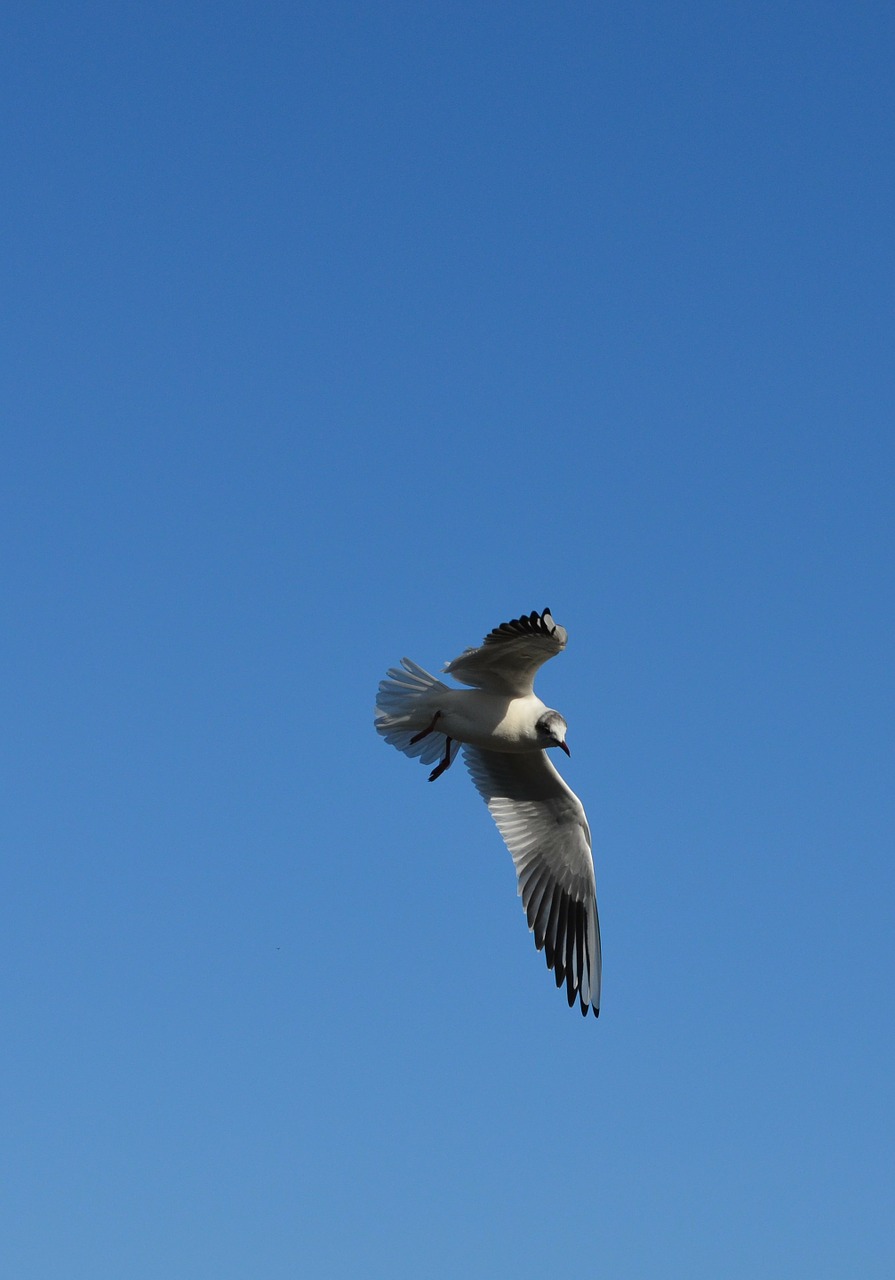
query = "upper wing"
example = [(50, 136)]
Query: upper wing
[(510, 655), (543, 824)]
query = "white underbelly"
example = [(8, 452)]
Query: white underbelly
[(491, 721)]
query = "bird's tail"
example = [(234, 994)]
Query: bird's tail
[(405, 707)]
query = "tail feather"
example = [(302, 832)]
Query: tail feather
[(405, 705)]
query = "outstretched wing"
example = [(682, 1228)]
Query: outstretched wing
[(509, 656), (543, 824)]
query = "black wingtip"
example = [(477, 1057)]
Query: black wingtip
[(526, 624)]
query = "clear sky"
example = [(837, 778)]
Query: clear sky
[(337, 332)]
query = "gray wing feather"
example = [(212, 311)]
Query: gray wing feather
[(545, 829), (510, 655)]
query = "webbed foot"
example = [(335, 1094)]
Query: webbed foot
[(442, 764)]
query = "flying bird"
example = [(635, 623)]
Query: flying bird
[(505, 731)]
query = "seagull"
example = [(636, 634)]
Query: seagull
[(505, 731)]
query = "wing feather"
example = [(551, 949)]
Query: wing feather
[(545, 829), (510, 655)]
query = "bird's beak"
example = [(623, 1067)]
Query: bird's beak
[(562, 746)]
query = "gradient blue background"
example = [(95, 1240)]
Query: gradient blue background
[(337, 332)]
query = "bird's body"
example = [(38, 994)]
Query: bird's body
[(493, 721), (504, 730)]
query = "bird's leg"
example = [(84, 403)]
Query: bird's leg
[(442, 764), (417, 737)]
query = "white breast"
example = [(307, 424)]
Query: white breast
[(490, 720)]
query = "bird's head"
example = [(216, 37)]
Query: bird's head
[(551, 729)]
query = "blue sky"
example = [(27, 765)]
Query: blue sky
[(338, 332)]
